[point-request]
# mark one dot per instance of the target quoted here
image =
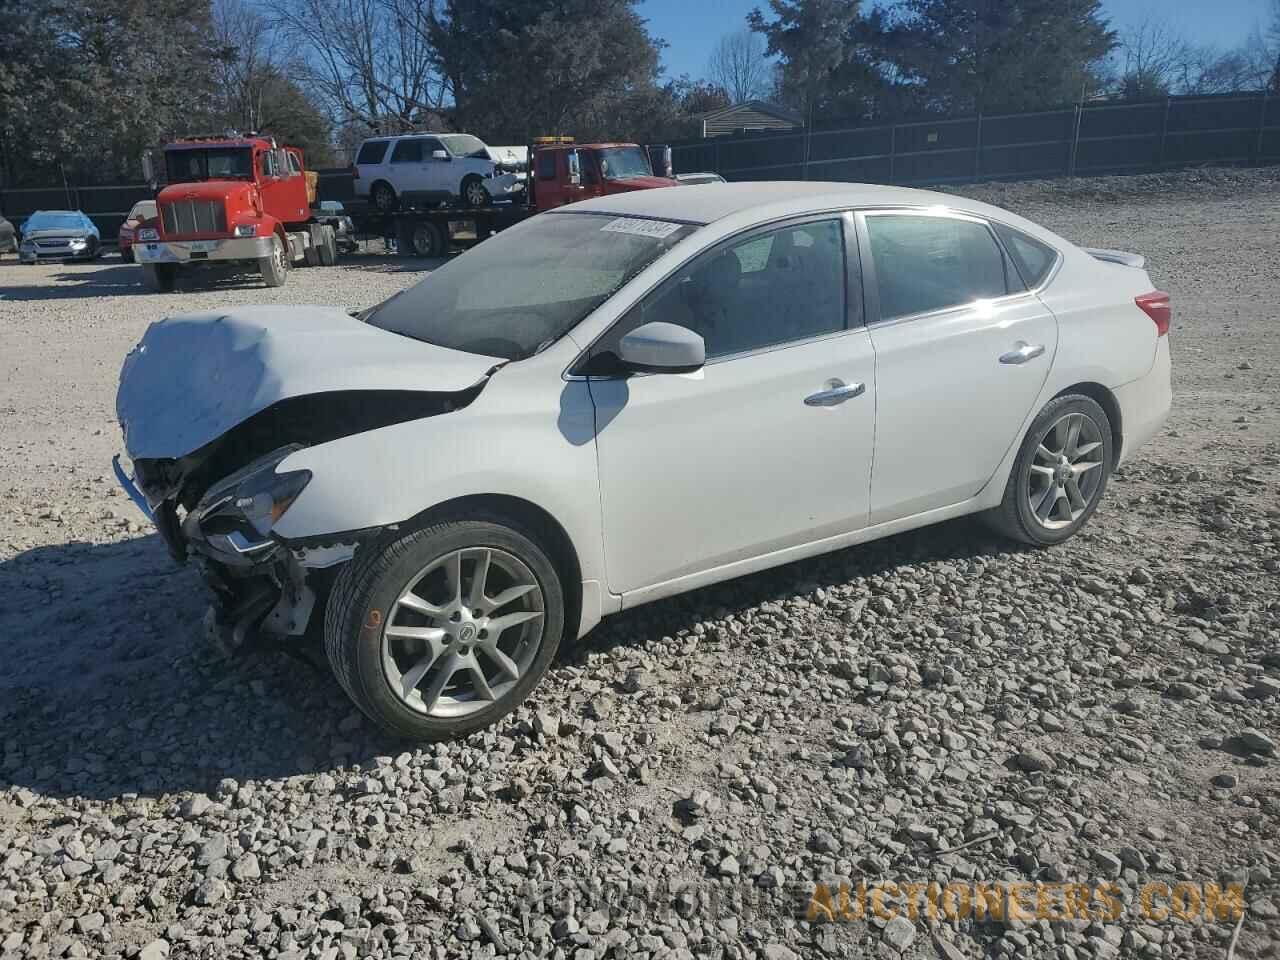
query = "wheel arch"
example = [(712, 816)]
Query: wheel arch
[(1110, 406), (526, 513)]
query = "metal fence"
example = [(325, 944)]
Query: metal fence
[(1083, 140), (1087, 140)]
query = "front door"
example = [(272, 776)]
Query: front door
[(962, 352), (769, 446)]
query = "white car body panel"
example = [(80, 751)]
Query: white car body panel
[(663, 483)]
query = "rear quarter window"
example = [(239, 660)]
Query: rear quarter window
[(372, 152), (1033, 259)]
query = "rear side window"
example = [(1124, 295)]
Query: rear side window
[(932, 263), (547, 165), (407, 151), (372, 152), (1033, 259)]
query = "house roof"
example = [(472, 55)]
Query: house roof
[(756, 106)]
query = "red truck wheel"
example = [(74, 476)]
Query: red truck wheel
[(159, 277), (275, 268)]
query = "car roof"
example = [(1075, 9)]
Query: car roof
[(70, 213), (706, 203)]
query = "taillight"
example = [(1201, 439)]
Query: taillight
[(355, 172), (1156, 306)]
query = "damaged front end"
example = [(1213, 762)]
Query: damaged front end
[(219, 503)]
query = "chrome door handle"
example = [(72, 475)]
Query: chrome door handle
[(837, 392), (1022, 353)]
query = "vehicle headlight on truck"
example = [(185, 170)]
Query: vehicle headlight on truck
[(246, 230), (252, 500)]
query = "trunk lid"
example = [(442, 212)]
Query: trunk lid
[(194, 377)]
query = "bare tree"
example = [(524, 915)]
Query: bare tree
[(1153, 60), (368, 60), (738, 65)]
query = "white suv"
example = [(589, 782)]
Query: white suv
[(403, 170)]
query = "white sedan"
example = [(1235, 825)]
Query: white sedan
[(625, 399)]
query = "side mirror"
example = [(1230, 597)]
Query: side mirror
[(148, 168), (575, 168), (440, 155), (662, 348)]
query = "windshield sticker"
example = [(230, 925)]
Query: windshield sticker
[(654, 229)]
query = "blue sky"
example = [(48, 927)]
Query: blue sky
[(692, 27)]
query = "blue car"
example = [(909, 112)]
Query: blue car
[(59, 235)]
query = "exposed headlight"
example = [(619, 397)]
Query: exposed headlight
[(148, 233), (79, 242), (247, 230), (256, 495)]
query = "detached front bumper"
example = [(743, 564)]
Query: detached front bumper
[(186, 251)]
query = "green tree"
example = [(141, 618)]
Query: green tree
[(809, 37), (984, 55), (522, 68)]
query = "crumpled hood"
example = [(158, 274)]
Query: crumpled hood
[(194, 377)]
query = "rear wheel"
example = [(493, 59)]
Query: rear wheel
[(473, 191), (275, 268), (159, 277), (383, 197), (447, 629), (427, 240), (328, 247), (1060, 473), (127, 255)]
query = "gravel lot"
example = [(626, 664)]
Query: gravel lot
[(1107, 711)]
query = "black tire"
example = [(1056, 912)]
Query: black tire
[(473, 192), (370, 584), (160, 277), (1015, 517), (328, 247), (275, 268), (383, 197), (426, 239)]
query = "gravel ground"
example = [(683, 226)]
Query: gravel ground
[(939, 706)]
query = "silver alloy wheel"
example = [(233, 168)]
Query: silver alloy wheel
[(463, 631), (476, 193), (1066, 471)]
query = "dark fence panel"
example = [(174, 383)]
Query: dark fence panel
[(107, 207), (1085, 140)]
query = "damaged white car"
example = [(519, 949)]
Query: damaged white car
[(622, 400)]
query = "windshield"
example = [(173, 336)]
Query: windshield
[(623, 163), (227, 163), (465, 145), (54, 221), (530, 285)]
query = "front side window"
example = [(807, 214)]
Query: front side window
[(770, 289), (547, 165), (927, 263), (407, 151), (555, 270)]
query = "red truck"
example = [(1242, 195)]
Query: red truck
[(232, 199), (558, 171)]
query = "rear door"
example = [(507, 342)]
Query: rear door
[(371, 164), (407, 167), (962, 352)]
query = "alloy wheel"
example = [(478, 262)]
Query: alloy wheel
[(476, 194), (463, 631), (1065, 473)]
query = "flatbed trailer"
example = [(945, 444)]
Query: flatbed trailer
[(433, 231)]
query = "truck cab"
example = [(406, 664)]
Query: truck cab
[(232, 199), (562, 172)]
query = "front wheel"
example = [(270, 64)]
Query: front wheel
[(159, 277), (446, 630), (275, 268), (1060, 473), (473, 191)]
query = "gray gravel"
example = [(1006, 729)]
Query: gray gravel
[(937, 706)]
